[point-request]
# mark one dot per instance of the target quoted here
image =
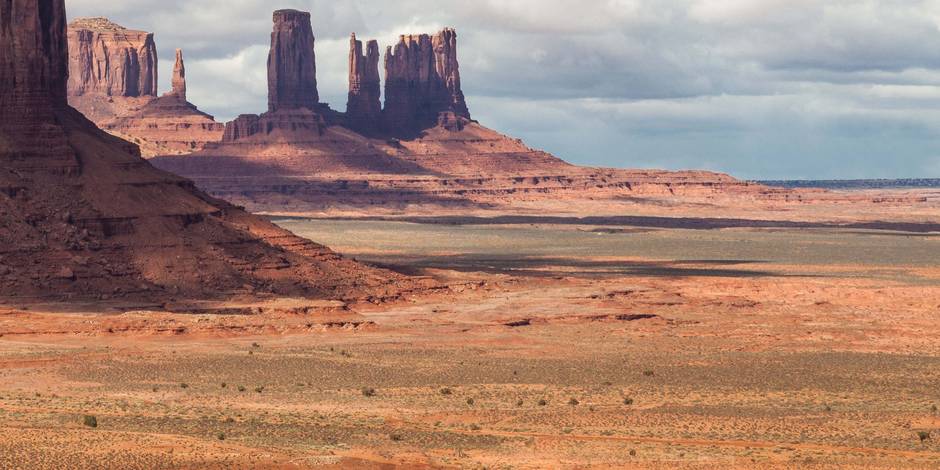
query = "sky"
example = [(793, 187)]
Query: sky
[(760, 89)]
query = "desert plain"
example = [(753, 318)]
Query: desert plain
[(544, 343)]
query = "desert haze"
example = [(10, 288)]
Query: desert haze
[(394, 284)]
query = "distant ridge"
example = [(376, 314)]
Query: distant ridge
[(856, 184)]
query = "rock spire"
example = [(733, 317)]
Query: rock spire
[(422, 83), (292, 69), (364, 107)]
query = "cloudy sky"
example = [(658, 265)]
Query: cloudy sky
[(756, 88)]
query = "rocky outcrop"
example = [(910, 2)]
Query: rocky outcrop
[(292, 69), (364, 106), (179, 77), (294, 110), (108, 59), (422, 83), (114, 227)]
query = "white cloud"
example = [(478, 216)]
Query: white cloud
[(769, 88)]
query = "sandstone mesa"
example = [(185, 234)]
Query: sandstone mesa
[(85, 218)]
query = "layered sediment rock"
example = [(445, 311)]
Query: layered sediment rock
[(108, 59), (292, 69), (422, 83), (168, 125), (364, 106), (113, 226), (294, 110)]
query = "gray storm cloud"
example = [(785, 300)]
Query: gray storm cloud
[(756, 88)]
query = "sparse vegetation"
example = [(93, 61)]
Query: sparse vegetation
[(395, 437), (470, 401), (574, 402), (90, 421), (368, 392), (649, 373), (543, 402), (924, 436), (628, 401), (446, 391)]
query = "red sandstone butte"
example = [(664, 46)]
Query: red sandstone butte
[(84, 217), (113, 82), (364, 106), (169, 124), (422, 83), (292, 65)]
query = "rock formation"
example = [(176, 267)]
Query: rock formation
[(108, 60), (84, 217), (168, 125), (422, 83), (179, 76), (294, 110), (364, 107), (292, 69), (114, 83)]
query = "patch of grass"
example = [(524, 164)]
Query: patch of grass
[(649, 373), (395, 437), (241, 388), (259, 389), (221, 436), (90, 421), (368, 392), (475, 427), (446, 391)]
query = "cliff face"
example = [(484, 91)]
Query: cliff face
[(108, 59), (364, 107), (422, 83), (292, 70), (294, 109), (114, 226)]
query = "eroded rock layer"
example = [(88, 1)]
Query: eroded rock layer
[(364, 107), (168, 125), (422, 83), (292, 69), (84, 217)]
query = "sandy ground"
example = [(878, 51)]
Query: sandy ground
[(553, 346)]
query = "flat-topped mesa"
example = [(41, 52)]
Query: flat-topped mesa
[(364, 107), (292, 69), (179, 76), (109, 60), (422, 83)]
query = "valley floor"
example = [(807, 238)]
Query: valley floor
[(555, 345)]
